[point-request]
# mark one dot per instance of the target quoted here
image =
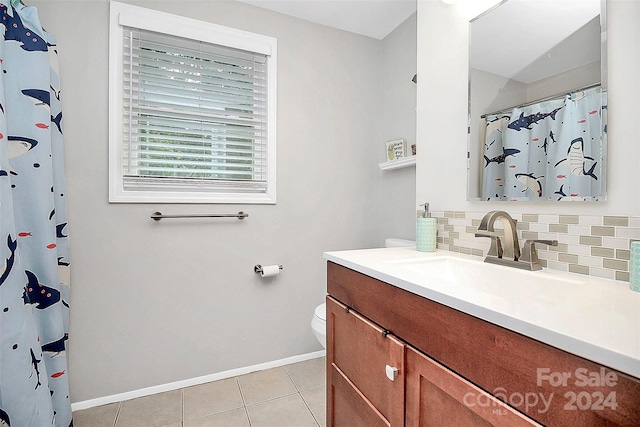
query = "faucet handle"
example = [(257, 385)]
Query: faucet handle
[(495, 250), (530, 254)]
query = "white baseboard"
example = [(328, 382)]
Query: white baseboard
[(86, 404)]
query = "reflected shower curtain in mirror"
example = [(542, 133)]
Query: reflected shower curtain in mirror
[(34, 310), (546, 151)]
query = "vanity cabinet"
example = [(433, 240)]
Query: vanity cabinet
[(453, 368), (369, 369)]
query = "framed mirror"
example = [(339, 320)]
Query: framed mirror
[(537, 102)]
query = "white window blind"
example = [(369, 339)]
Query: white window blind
[(195, 115), (192, 110)]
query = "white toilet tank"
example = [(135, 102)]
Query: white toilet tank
[(394, 242)]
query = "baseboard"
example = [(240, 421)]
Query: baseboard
[(86, 404)]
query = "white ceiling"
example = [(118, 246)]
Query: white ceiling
[(371, 18)]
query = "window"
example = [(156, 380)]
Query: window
[(191, 111)]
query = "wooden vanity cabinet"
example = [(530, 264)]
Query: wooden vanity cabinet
[(452, 366), (362, 393)]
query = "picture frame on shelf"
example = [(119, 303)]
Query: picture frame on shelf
[(396, 149)]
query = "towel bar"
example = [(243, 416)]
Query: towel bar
[(157, 216)]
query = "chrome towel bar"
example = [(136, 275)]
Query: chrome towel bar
[(157, 216)]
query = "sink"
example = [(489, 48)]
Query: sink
[(479, 275)]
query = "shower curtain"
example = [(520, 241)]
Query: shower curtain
[(34, 262), (546, 151)]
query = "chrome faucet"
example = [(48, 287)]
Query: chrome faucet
[(509, 255), (486, 229)]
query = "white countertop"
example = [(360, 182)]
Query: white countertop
[(597, 319)]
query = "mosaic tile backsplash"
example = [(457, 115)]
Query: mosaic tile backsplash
[(592, 245)]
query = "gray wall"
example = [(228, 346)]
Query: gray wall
[(154, 303), (398, 121)]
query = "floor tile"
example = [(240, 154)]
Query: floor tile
[(211, 398), (292, 395), (233, 418), (98, 416), (285, 411), (159, 410), (316, 400), (264, 385), (307, 374)]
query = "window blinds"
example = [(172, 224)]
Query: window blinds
[(195, 115)]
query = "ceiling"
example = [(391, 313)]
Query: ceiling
[(371, 18)]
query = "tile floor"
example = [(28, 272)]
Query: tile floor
[(291, 395)]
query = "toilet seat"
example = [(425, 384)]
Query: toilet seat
[(321, 312)]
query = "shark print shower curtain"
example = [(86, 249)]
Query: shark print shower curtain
[(34, 262), (546, 151)]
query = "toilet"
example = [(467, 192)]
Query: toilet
[(319, 320), (319, 323)]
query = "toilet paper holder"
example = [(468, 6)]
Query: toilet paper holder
[(258, 268)]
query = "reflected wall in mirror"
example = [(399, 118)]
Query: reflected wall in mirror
[(537, 102)]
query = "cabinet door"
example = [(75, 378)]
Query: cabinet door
[(365, 369), (349, 407), (439, 397)]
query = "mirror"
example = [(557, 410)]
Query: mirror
[(537, 102)]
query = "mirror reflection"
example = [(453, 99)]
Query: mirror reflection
[(537, 102)]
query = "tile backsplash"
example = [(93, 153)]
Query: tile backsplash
[(587, 244)]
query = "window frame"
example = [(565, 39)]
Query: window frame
[(125, 15)]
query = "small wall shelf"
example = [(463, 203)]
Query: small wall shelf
[(400, 163)]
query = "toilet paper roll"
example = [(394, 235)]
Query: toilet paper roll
[(270, 270)]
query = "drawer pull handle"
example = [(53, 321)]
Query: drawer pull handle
[(385, 333), (392, 372)]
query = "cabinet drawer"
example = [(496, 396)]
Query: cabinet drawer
[(365, 355), (437, 396)]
